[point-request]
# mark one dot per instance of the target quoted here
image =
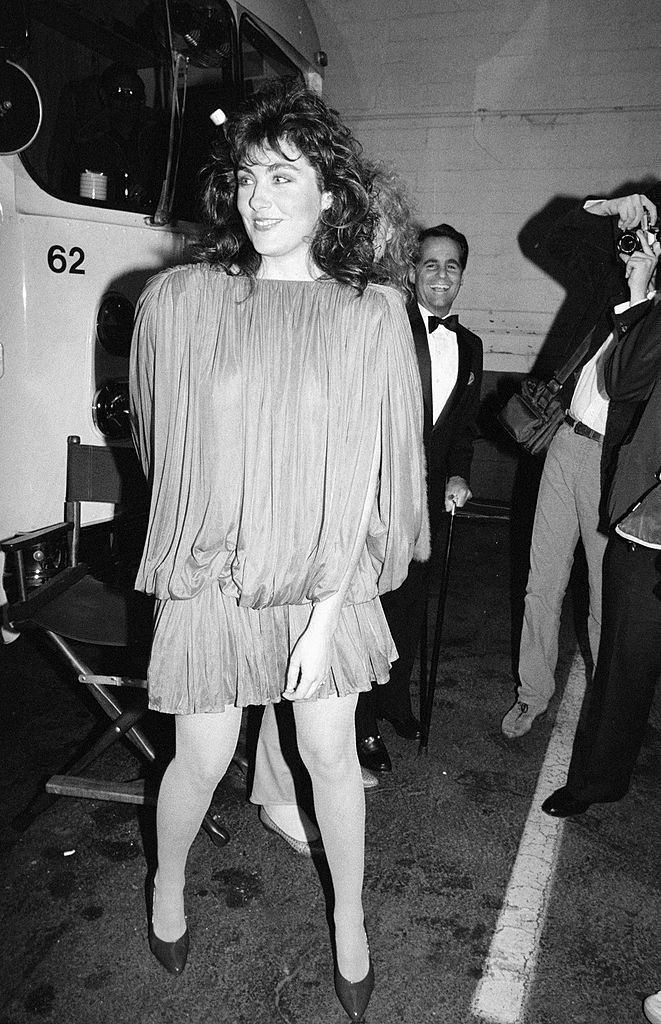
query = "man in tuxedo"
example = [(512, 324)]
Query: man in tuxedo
[(568, 501), (611, 733), (450, 363)]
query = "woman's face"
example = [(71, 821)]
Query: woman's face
[(279, 199)]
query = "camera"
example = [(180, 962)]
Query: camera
[(629, 242)]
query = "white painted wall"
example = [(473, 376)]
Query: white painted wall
[(490, 110)]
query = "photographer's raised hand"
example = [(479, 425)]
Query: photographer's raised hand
[(640, 267), (628, 209)]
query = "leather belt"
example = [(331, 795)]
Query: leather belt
[(580, 428)]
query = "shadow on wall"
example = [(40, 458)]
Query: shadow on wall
[(580, 255), (578, 252)]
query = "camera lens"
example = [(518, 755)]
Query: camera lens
[(628, 242)]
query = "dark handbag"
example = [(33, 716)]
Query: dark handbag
[(533, 416)]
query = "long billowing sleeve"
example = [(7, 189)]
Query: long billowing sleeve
[(256, 410), (400, 529)]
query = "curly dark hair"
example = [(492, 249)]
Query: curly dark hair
[(290, 113)]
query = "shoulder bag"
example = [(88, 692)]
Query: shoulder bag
[(533, 416)]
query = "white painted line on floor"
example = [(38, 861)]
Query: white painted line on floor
[(500, 997)]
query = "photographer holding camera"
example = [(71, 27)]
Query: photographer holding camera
[(610, 735), (568, 501)]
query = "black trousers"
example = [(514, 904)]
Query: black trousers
[(611, 732), (404, 609)]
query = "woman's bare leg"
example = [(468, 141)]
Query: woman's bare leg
[(205, 745), (327, 743)]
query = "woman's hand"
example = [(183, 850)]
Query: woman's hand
[(309, 665)]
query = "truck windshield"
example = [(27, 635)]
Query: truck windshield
[(104, 69)]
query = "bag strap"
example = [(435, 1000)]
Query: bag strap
[(560, 376)]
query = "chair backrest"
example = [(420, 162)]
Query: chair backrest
[(97, 473), (37, 569), (100, 473)]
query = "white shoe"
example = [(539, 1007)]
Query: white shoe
[(519, 719), (370, 780), (304, 847), (652, 1008)]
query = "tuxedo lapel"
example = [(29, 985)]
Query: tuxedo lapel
[(424, 360)]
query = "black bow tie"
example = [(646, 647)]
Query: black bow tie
[(449, 322)]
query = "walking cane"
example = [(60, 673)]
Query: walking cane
[(428, 685)]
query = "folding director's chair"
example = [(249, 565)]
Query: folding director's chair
[(73, 605)]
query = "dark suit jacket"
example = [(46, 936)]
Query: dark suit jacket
[(632, 446), (448, 441)]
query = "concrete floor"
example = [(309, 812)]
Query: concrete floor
[(442, 834)]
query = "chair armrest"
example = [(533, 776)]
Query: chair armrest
[(26, 540), (484, 508), (20, 612)]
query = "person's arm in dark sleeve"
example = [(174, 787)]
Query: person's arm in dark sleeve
[(580, 235), (460, 449), (634, 363)]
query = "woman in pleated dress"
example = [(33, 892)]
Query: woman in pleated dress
[(276, 409), (280, 785)]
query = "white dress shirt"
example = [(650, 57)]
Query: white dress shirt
[(589, 402), (444, 354)]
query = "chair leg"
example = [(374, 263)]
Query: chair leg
[(123, 724), (103, 695), (114, 711), (38, 806)]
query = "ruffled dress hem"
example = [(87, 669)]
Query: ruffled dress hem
[(237, 657)]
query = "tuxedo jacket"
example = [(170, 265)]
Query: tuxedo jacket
[(449, 440), (631, 458)]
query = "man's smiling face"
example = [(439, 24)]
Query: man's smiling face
[(438, 274)]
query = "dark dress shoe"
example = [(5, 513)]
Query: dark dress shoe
[(354, 995), (562, 804), (408, 728), (372, 754), (171, 955)]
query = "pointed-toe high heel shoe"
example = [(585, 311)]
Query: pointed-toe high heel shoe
[(354, 995), (171, 955)]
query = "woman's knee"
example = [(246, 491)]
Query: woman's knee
[(326, 735), (205, 769), (327, 758), (204, 748)]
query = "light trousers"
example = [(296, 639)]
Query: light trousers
[(280, 776), (567, 508)]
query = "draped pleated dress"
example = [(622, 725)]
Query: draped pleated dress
[(257, 408)]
